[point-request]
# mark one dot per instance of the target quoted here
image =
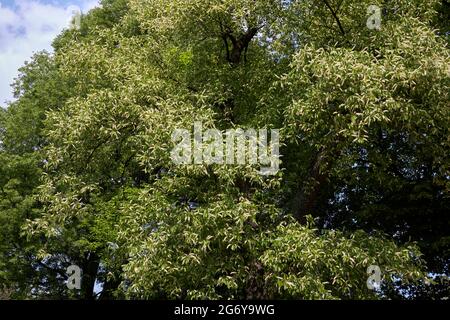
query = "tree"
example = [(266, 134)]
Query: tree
[(363, 116), (20, 154)]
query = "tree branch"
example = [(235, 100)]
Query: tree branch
[(335, 17)]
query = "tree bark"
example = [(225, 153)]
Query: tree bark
[(239, 45), (306, 199), (90, 269)]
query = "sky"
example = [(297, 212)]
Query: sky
[(29, 26)]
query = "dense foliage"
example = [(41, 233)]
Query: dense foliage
[(86, 176)]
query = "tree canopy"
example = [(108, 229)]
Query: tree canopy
[(87, 179)]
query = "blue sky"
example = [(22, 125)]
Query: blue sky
[(28, 26)]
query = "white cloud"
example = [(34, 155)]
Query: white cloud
[(30, 27)]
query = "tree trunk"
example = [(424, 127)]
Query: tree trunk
[(90, 269), (307, 196)]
